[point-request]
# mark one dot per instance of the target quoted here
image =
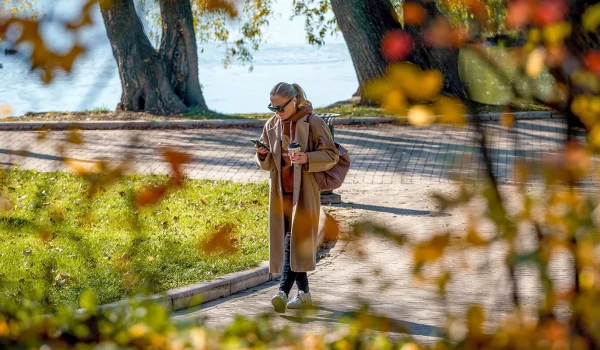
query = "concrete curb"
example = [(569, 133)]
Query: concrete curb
[(224, 123), (198, 293), (170, 124)]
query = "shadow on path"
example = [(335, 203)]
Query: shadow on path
[(396, 211), (368, 320)]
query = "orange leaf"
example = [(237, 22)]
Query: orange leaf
[(331, 229), (222, 5), (82, 167), (396, 45), (75, 138), (220, 240), (175, 158), (591, 60), (5, 111), (518, 14), (414, 14), (150, 195)]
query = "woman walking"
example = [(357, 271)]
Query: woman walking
[(294, 203)]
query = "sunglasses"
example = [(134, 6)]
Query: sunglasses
[(279, 108)]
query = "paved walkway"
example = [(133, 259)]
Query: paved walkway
[(395, 169), (374, 270), (382, 154)]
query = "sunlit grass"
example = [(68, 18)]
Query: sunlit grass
[(57, 242)]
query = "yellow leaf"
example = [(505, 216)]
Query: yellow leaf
[(475, 319), (394, 102), (591, 18), (556, 33), (450, 111), (420, 115), (534, 35), (431, 250), (427, 86), (535, 62), (377, 88), (75, 138), (507, 119), (587, 279), (442, 282)]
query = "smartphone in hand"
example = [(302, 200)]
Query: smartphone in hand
[(260, 144)]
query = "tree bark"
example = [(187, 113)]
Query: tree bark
[(151, 82), (363, 24), (179, 50), (443, 59)]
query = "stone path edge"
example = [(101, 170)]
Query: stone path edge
[(223, 123), (202, 292)]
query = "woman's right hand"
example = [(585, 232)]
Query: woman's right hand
[(262, 152)]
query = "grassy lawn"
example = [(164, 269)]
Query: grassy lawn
[(58, 243), (345, 111)]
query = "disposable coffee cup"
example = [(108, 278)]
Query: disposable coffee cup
[(293, 148)]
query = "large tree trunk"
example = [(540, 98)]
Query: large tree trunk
[(149, 83), (179, 50), (364, 23), (443, 59)]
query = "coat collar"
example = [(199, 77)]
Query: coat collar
[(300, 136)]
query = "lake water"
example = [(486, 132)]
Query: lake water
[(326, 73)]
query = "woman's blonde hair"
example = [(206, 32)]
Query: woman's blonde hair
[(291, 90)]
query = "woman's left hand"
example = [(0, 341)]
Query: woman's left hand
[(300, 158)]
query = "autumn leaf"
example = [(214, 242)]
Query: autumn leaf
[(591, 18), (150, 195), (5, 204), (75, 138), (331, 228), (176, 159), (83, 167), (450, 111), (420, 115), (220, 241), (414, 14), (5, 111), (431, 250), (396, 45), (507, 119)]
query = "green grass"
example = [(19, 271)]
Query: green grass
[(107, 245), (102, 109)]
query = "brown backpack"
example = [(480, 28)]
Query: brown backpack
[(333, 178)]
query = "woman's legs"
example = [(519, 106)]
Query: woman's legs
[(288, 277)]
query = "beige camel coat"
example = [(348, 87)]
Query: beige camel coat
[(305, 215)]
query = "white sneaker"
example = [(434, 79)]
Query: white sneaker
[(300, 301), (279, 301)]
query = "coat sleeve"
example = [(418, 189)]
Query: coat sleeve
[(325, 154), (267, 163)]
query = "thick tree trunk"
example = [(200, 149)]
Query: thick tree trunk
[(364, 23), (443, 59), (145, 77), (179, 50), (577, 45)]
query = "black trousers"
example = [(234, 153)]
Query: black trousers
[(288, 277)]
